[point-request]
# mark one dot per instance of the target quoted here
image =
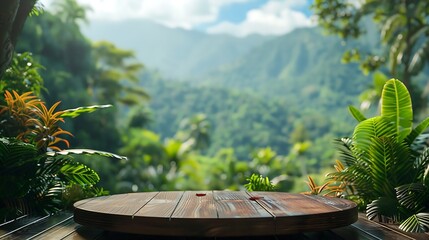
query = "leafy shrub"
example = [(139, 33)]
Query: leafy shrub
[(386, 163), (259, 183)]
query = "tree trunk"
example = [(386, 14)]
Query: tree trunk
[(13, 14)]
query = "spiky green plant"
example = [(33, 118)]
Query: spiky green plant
[(259, 183), (36, 175), (384, 169)]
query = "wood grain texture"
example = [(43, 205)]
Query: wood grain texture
[(161, 206), (215, 213), (296, 213), (60, 225), (192, 206)]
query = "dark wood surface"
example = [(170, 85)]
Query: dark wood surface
[(215, 213), (62, 226)]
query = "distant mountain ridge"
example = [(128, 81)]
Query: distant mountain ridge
[(176, 53), (254, 90)]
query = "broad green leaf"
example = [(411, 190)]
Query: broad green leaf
[(78, 111), (396, 107), (357, 114)]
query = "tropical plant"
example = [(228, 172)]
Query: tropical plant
[(22, 75), (331, 187), (259, 183), (386, 169), (36, 175)]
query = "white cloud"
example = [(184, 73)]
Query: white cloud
[(274, 18), (173, 13)]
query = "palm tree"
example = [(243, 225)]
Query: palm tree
[(116, 76)]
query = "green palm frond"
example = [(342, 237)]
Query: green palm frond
[(419, 58), (368, 129), (421, 164), (396, 107), (86, 152), (416, 223), (382, 207), (356, 114), (346, 155), (78, 111), (417, 131), (14, 153), (382, 152), (391, 26), (413, 196), (80, 174)]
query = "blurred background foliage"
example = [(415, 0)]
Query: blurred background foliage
[(273, 110)]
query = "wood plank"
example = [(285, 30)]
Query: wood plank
[(338, 203), (161, 206), (296, 213), (86, 233), (239, 214), (352, 233), (114, 213), (291, 204), (153, 218), (231, 204), (379, 231), (196, 204), (59, 231), (121, 204), (36, 228), (14, 225)]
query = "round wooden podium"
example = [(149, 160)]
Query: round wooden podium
[(215, 213)]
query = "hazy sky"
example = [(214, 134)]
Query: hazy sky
[(236, 17)]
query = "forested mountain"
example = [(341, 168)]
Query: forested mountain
[(296, 62), (273, 104), (239, 120), (176, 53), (255, 91)]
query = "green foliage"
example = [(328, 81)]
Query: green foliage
[(22, 75), (403, 27), (78, 111), (115, 76), (32, 181), (36, 175), (259, 183), (383, 171)]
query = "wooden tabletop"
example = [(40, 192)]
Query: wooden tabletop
[(215, 213)]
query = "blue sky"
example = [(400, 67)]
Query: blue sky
[(235, 17)]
